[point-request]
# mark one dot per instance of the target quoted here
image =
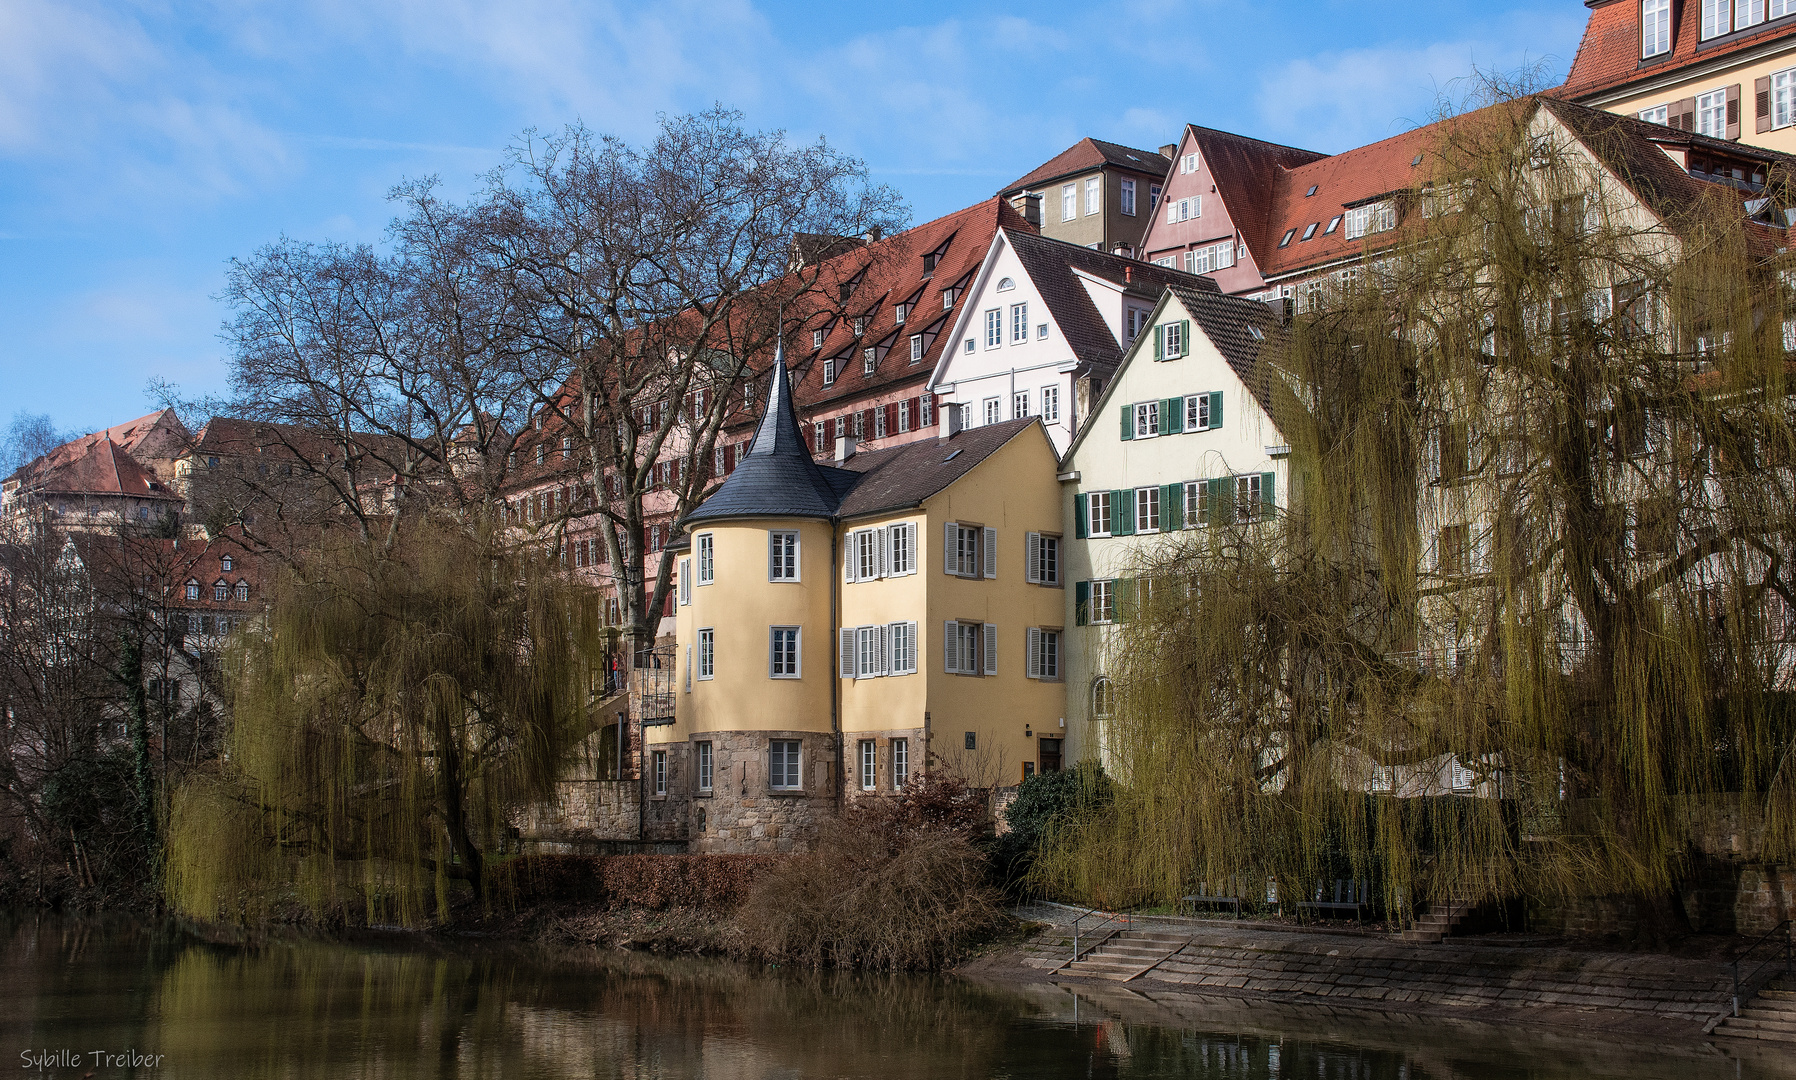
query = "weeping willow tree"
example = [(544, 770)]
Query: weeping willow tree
[(400, 704), (1526, 624)]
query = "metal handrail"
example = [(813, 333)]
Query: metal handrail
[(1789, 966), (1121, 917)]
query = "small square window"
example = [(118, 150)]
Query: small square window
[(816, 339)]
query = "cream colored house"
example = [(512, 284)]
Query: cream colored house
[(1178, 438), (844, 628)]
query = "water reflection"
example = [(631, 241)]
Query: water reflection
[(403, 1008)]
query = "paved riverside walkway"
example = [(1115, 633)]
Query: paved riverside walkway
[(1372, 971)]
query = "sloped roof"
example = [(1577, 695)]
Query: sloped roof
[(1244, 170), (128, 436), (1088, 154), (1230, 323), (1609, 54), (1050, 265), (98, 468), (905, 475), (777, 477)]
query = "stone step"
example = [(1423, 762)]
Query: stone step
[(1779, 1008), (1780, 1021), (1742, 1028), (1778, 995)]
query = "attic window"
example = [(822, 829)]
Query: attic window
[(1258, 334), (816, 339), (224, 563), (951, 457), (1006, 284), (1311, 231), (1333, 224), (1310, 192), (1288, 234), (1417, 160)]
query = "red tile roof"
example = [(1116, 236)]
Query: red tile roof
[(1243, 169), (99, 466), (129, 436), (1088, 154), (1609, 55)]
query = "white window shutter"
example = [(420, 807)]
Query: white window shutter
[(884, 543), (910, 648), (880, 656), (850, 557), (848, 646), (950, 547), (991, 649), (991, 553), (685, 582), (689, 669), (1033, 644), (951, 647), (1032, 559)]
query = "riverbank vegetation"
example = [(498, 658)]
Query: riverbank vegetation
[(1525, 627)]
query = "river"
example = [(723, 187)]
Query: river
[(116, 997)]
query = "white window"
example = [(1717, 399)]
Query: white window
[(1658, 114), (219, 590), (1247, 497), (829, 372), (782, 764), (991, 410), (1203, 411), (900, 763), (860, 325), (1655, 27), (1103, 601), (717, 461), (916, 348), (1197, 503), (1184, 209), (707, 652), (1783, 96), (1099, 509), (1136, 319), (926, 410), (1069, 202), (782, 555), (1042, 559), (1711, 113), (539, 453), (1128, 198), (1147, 419), (1019, 405), (1464, 779), (901, 641), (783, 652), (1043, 654), (1147, 509), (816, 339), (903, 416), (971, 345), (994, 328), (879, 422), (948, 299), (242, 590), (864, 655), (821, 434), (969, 648), (969, 551), (1153, 197), (1019, 323), (868, 361), (900, 313), (706, 765), (1189, 163), (660, 760), (1050, 404), (869, 764), (1371, 218), (225, 563), (1172, 340), (865, 555), (1094, 195), (1041, 331)]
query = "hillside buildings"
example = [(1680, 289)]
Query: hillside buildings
[(1095, 194)]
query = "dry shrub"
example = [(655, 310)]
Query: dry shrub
[(894, 884), (718, 882)]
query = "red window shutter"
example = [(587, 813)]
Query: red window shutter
[(1733, 111), (1683, 114), (1761, 104)]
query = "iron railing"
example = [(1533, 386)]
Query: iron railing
[(1747, 984), (1120, 918)]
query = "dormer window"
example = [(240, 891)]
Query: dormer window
[(225, 564), (220, 590), (1375, 217), (567, 446), (193, 589), (817, 339), (860, 325), (899, 313), (868, 361), (539, 453), (829, 372), (948, 299), (1722, 17), (929, 261), (242, 591), (1655, 28)]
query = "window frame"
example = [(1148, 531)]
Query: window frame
[(774, 538), (658, 764), (1019, 405), (1019, 323), (1091, 503), (707, 654), (705, 755), (776, 637), (1147, 509), (1126, 197), (1094, 195), (868, 756), (1661, 31), (994, 328), (900, 755), (1069, 202), (1050, 404), (1103, 602), (916, 348), (789, 755)]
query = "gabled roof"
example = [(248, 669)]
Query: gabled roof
[(1088, 154), (128, 436), (1244, 170), (777, 477), (1609, 54), (99, 466), (1051, 266), (904, 476)]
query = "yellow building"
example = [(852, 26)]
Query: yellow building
[(1724, 68), (844, 628)]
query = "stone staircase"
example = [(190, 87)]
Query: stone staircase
[(1434, 926), (1769, 1017), (1125, 955)]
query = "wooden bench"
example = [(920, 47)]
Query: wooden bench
[(1350, 897)]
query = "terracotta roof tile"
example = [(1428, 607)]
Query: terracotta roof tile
[(1089, 154), (1245, 171), (1609, 54)]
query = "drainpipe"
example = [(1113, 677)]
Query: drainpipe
[(835, 650)]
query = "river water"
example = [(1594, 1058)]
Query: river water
[(401, 1008)]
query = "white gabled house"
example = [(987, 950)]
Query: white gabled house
[(1178, 436), (1042, 329)]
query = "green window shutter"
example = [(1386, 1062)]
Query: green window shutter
[(1172, 416), (1172, 507), (1222, 499), (1128, 422), (1216, 409), (1082, 603), (1159, 343), (1122, 513), (1080, 529), (1185, 337), (1125, 599), (1268, 494)]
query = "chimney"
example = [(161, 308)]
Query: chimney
[(1028, 204), (846, 446), (873, 235), (1128, 274), (953, 419), (1169, 151)]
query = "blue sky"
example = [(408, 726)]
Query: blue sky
[(143, 144)]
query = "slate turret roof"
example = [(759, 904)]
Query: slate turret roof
[(777, 477)]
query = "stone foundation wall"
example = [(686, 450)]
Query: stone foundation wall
[(583, 810), (742, 813)]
